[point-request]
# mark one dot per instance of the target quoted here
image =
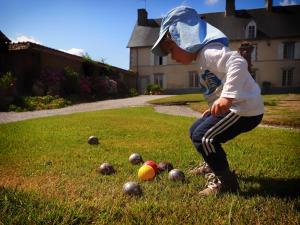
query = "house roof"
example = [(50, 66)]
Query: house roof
[(33, 46), (19, 46), (281, 22), (143, 36), (3, 38)]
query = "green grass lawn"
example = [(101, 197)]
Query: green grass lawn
[(280, 109), (48, 172)]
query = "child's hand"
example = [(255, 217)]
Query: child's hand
[(221, 106), (205, 112)]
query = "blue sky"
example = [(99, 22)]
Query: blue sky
[(100, 28)]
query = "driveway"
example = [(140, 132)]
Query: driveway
[(6, 117)]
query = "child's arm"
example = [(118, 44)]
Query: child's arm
[(232, 69)]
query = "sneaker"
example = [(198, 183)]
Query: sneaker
[(202, 169), (212, 186), (225, 181)]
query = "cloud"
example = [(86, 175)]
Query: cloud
[(24, 38), (211, 2), (287, 2), (75, 51)]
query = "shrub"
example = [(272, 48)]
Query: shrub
[(71, 83), (153, 89), (112, 87), (52, 81), (15, 108), (133, 92), (122, 87), (8, 90), (7, 84), (29, 103), (100, 87), (88, 65), (85, 87)]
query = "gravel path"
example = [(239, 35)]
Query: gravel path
[(179, 110), (6, 117)]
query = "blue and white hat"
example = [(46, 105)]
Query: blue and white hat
[(188, 31)]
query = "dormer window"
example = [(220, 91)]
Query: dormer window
[(156, 60), (251, 30)]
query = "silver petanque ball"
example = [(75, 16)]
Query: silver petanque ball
[(135, 158), (165, 166), (93, 140), (132, 188), (106, 169), (176, 175)]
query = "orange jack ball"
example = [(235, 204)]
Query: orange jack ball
[(146, 172)]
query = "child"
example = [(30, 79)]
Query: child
[(235, 103)]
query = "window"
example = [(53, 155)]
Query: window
[(251, 30), (287, 77), (193, 79), (159, 79), (288, 50), (158, 60), (131, 59)]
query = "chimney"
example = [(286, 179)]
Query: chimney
[(142, 17), (230, 8), (269, 5)]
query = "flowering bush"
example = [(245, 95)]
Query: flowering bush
[(85, 87), (71, 83), (7, 84), (52, 81), (100, 87), (113, 87), (40, 102), (122, 87)]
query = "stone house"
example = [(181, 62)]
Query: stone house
[(273, 33), (27, 61)]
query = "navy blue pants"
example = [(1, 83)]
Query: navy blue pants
[(209, 132)]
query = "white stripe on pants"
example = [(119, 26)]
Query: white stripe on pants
[(218, 128)]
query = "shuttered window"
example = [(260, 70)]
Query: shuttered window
[(159, 79), (159, 60), (288, 50), (251, 32), (287, 77), (193, 79)]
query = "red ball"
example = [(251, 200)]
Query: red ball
[(152, 164)]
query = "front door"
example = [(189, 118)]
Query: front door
[(144, 81)]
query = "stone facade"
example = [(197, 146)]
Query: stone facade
[(27, 61), (272, 33)]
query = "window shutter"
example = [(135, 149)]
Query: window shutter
[(191, 80), (151, 59), (280, 51), (165, 60), (297, 50)]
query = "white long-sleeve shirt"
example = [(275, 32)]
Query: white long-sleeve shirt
[(225, 74)]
